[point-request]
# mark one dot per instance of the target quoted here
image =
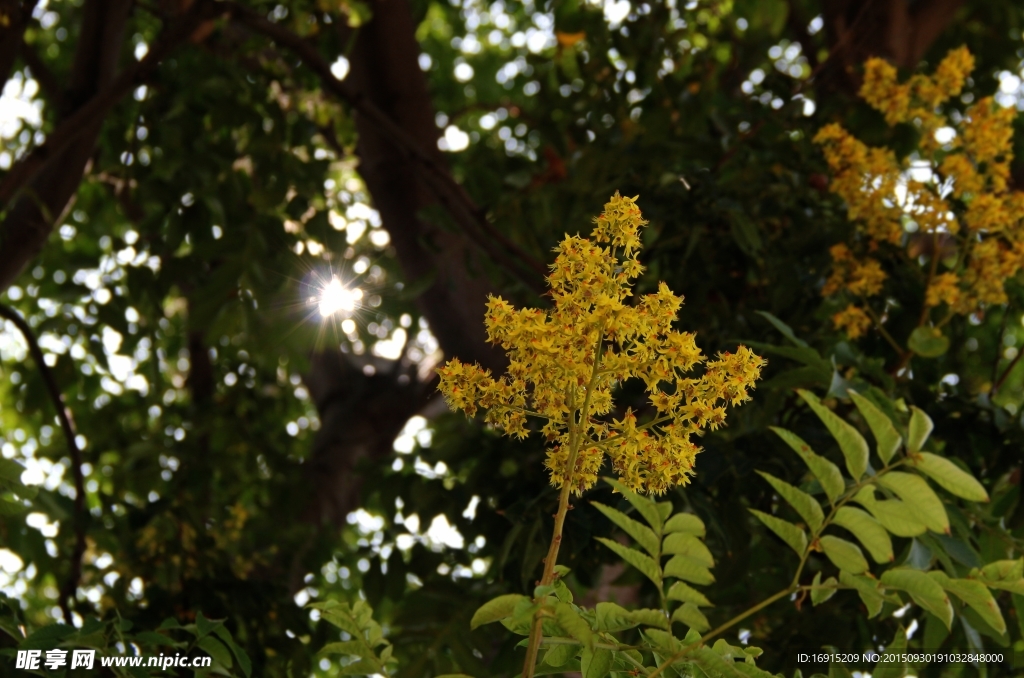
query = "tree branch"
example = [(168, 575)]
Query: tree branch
[(494, 243), (44, 76), (67, 591), (28, 167)]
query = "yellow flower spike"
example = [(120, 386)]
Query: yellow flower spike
[(972, 223), (564, 364)]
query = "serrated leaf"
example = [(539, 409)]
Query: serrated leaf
[(851, 442), (496, 609), (576, 626), (844, 554), (922, 589), (887, 438), (612, 617), (976, 595), (689, 614), (688, 569), (641, 534), (920, 428), (893, 666), (687, 523), (868, 531), (711, 663), (891, 513), (646, 507), (920, 499), (806, 505), (949, 476), (679, 543), (820, 595), (827, 473), (687, 594), (647, 565), (868, 590), (595, 663), (786, 531), (648, 617)]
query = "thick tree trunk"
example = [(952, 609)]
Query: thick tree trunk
[(901, 31)]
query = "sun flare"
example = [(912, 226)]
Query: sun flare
[(336, 297)]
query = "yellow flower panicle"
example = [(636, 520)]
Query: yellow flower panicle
[(564, 364), (967, 199)]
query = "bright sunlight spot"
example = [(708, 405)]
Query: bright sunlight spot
[(336, 297)]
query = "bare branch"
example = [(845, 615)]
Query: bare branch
[(67, 591)]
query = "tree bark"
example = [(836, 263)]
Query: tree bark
[(900, 31)]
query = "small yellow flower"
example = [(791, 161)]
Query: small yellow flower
[(969, 205), (565, 362), (853, 320)]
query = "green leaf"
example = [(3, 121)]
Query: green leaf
[(928, 342), (891, 513), (687, 523), (647, 565), (976, 595), (687, 545), (920, 428), (887, 439), (838, 670), (868, 531), (688, 569), (920, 499), (496, 609), (612, 617), (576, 626), (922, 589), (216, 649), (11, 471), (806, 505), (206, 626), (1007, 575), (595, 663), (460, 675), (641, 534), (819, 596), (648, 617), (827, 473), (788, 532), (868, 590), (949, 476), (845, 555), (893, 666), (689, 614), (782, 327), (241, 657), (646, 507), (851, 442), (687, 594), (348, 648), (559, 655), (711, 663)]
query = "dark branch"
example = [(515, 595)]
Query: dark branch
[(494, 243), (67, 591), (97, 107)]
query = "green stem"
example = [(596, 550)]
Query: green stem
[(576, 435)]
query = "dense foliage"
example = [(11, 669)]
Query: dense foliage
[(245, 234)]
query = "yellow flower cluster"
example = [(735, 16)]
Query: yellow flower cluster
[(965, 199), (565, 362)]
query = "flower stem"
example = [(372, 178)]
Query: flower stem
[(577, 433)]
